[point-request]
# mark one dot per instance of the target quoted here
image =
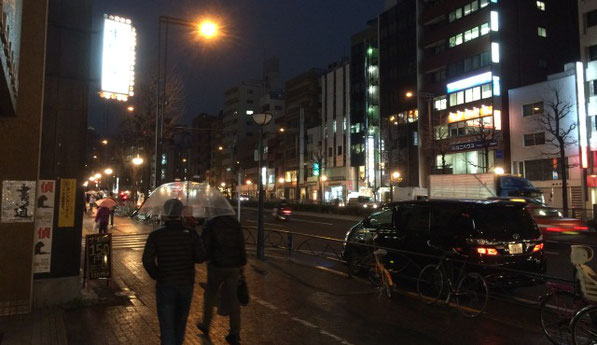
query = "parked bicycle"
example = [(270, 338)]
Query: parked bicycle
[(379, 275), (439, 281), (568, 312)]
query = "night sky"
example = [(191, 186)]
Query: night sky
[(301, 33)]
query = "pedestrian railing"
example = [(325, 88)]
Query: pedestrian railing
[(407, 264)]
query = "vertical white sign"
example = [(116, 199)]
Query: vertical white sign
[(17, 201), (44, 221), (118, 58)]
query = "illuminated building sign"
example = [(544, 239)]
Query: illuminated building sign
[(472, 145), (470, 113), (475, 80), (118, 58)]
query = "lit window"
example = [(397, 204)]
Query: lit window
[(483, 3), (494, 21), (459, 39), (486, 91), (541, 5), (460, 97), (497, 90), (468, 95), (532, 109), (484, 29), (453, 100), (541, 31), (495, 52), (476, 93)]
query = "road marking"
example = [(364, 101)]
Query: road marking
[(301, 321), (311, 221), (551, 253), (340, 273)]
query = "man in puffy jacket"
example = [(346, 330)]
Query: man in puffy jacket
[(169, 257), (225, 248)]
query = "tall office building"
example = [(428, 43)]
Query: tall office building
[(470, 54), (335, 117), (365, 140)]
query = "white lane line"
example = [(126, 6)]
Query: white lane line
[(311, 221), (551, 253), (301, 321)]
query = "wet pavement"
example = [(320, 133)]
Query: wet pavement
[(293, 301)]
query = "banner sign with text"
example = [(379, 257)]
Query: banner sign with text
[(44, 222), (66, 208), (17, 201), (473, 145), (98, 256)]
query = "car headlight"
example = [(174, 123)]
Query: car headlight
[(375, 206)]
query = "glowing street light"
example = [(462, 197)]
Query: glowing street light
[(137, 160), (499, 171), (409, 94), (223, 184), (281, 180), (248, 182), (220, 148), (108, 171), (97, 176), (324, 178), (130, 108), (208, 29), (282, 129), (396, 175), (91, 178), (105, 141)]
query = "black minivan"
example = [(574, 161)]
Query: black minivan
[(496, 233)]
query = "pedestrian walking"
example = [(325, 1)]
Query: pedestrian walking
[(225, 249), (169, 258), (102, 217), (112, 210)]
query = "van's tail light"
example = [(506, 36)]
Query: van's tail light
[(555, 229), (487, 251), (581, 228), (538, 247)]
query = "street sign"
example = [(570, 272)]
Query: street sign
[(98, 256)]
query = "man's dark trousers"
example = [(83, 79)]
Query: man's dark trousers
[(173, 304), (217, 276)]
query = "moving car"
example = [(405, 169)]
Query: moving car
[(497, 233), (549, 219), (363, 201)]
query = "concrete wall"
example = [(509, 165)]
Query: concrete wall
[(19, 152)]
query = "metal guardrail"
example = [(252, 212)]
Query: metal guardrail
[(323, 247)]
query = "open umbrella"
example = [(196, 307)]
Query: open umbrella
[(106, 202), (200, 200)]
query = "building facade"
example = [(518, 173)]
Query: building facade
[(397, 79), (532, 109), (470, 54), (335, 117)]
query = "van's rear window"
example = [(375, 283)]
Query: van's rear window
[(501, 222)]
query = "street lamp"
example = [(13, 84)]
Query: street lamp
[(97, 176), (395, 177), (137, 160), (323, 178), (130, 108), (260, 119), (108, 171), (105, 141), (206, 29)]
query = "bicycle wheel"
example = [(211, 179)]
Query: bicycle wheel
[(584, 326), (430, 284), (472, 295), (556, 312)]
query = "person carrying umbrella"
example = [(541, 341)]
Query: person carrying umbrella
[(169, 257)]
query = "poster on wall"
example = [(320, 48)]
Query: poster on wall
[(44, 220), (66, 208), (17, 201)]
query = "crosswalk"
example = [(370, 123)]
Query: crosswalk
[(132, 241)]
